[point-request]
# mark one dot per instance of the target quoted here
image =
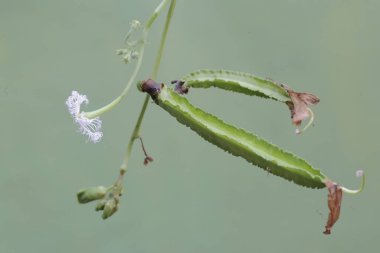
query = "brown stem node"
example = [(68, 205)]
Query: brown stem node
[(147, 158)]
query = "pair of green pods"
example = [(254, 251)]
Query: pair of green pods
[(235, 141), (239, 142)]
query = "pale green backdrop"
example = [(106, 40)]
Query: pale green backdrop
[(194, 197)]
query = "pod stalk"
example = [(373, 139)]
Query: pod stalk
[(361, 174)]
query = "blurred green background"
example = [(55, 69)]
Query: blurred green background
[(194, 197)]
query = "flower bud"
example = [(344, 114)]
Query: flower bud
[(127, 58), (135, 24), (91, 194), (110, 208), (121, 51), (108, 197), (100, 205), (134, 55)]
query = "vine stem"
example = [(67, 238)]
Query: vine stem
[(131, 80), (136, 132)]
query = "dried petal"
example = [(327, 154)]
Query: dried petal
[(299, 105), (334, 201), (147, 160), (179, 87)]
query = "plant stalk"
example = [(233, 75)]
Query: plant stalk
[(136, 131), (146, 29)]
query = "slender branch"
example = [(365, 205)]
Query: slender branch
[(155, 14), (117, 100), (136, 131), (131, 80), (134, 136), (163, 40), (143, 147)]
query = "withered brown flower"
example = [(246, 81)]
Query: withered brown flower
[(299, 107), (334, 201)]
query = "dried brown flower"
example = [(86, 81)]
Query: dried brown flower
[(299, 107), (147, 160), (334, 201)]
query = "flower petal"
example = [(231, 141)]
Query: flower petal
[(89, 127), (298, 105), (74, 102), (334, 201)]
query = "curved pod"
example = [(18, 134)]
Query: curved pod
[(237, 142), (238, 82)]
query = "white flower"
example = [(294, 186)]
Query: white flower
[(89, 127)]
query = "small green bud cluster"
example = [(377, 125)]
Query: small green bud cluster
[(110, 204), (131, 51), (109, 198), (90, 194), (128, 54)]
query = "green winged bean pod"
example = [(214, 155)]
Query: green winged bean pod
[(237, 142), (248, 84), (238, 82), (255, 150)]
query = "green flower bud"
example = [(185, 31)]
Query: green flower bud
[(134, 55), (100, 205), (108, 197), (110, 208), (135, 25), (121, 51), (91, 194), (127, 58)]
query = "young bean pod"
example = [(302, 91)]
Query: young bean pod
[(238, 82), (236, 141), (297, 102)]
